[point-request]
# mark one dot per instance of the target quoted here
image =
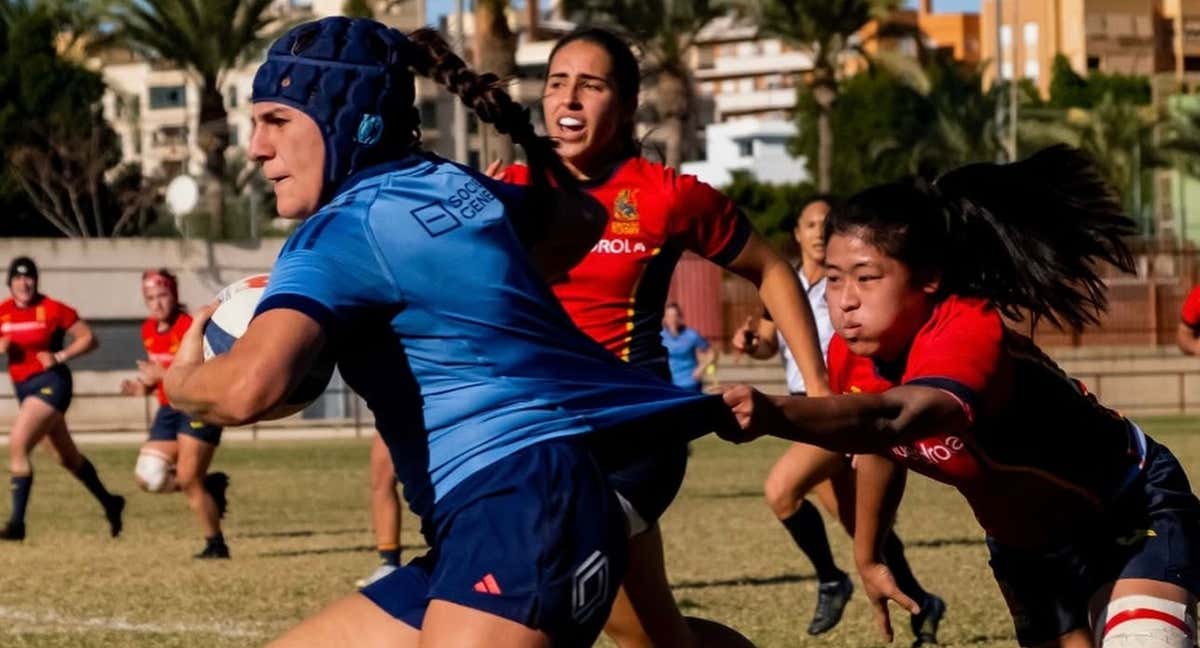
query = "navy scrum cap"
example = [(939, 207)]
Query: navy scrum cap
[(350, 75), (22, 266)]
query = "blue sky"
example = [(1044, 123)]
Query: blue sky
[(437, 8)]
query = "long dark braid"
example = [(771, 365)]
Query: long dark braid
[(483, 93)]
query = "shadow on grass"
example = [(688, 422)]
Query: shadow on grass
[(727, 495), (943, 542), (332, 550), (752, 581), (989, 639), (303, 533)]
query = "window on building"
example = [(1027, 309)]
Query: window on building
[(1006, 70), (1031, 37), (746, 85), (745, 148), (1191, 63), (1005, 37), (774, 81), (748, 48), (728, 86), (233, 135), (772, 47), (231, 96), (707, 87), (167, 97), (1031, 70), (1093, 62)]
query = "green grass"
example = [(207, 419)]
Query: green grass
[(299, 532)]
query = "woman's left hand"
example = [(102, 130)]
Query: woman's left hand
[(190, 353), (880, 586)]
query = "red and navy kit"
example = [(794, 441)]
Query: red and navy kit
[(1072, 495), (161, 346), (1191, 308), (617, 293), (41, 326), (1037, 442)]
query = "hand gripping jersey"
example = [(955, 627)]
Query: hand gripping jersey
[(441, 323), (1040, 451), (161, 347), (38, 327), (616, 294)]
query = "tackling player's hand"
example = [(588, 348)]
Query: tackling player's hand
[(880, 587), (495, 170), (756, 414)]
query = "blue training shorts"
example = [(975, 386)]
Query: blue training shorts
[(1156, 536), (54, 386), (537, 538), (170, 422)]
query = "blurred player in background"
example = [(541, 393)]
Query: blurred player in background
[(616, 294), (426, 281), (385, 512), (32, 331), (806, 468), (689, 355), (1092, 527), (180, 449)]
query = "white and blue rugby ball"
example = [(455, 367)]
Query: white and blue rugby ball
[(229, 322)]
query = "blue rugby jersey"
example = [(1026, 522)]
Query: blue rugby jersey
[(441, 323)]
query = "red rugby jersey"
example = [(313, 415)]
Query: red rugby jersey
[(1191, 308), (161, 347), (1039, 451), (37, 327), (617, 293)]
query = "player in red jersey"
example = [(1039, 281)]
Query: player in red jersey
[(177, 455), (1188, 334), (32, 328), (617, 293), (1093, 529)]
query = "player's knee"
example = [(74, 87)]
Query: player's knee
[(1146, 622), (780, 496), (153, 472)]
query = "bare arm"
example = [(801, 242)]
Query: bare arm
[(257, 373), (784, 297), (855, 423), (1188, 339), (879, 486), (83, 341), (757, 339)]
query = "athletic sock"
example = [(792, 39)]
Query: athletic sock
[(389, 555), (91, 480), (893, 557), (21, 486), (808, 531)]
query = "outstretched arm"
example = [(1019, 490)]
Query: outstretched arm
[(854, 423)]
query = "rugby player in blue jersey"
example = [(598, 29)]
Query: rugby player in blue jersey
[(427, 283)]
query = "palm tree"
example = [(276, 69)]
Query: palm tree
[(823, 29), (207, 39), (664, 31), (495, 53)]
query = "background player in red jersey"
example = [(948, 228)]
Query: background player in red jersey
[(32, 327), (1188, 334), (180, 449), (1093, 529), (617, 293)]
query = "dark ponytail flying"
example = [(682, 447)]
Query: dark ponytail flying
[(1026, 236)]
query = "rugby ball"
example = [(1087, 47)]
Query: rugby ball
[(229, 322)]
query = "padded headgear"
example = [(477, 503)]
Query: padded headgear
[(350, 75)]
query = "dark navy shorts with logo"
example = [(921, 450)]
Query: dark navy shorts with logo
[(1157, 537), (54, 386), (537, 538), (170, 422)]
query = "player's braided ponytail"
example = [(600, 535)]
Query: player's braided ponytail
[(433, 58)]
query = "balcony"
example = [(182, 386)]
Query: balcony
[(756, 101), (737, 66)]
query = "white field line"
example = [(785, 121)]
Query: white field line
[(80, 624)]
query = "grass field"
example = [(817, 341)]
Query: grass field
[(299, 532)]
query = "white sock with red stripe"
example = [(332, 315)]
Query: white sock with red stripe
[(1145, 622)]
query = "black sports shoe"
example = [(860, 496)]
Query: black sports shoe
[(215, 484), (113, 510), (832, 598), (13, 531), (214, 552), (925, 624)]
